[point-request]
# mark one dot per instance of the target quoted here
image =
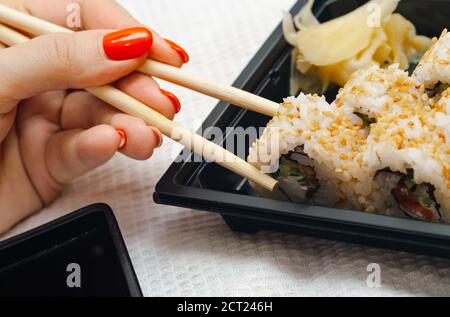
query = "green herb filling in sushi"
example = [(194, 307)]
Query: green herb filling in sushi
[(297, 180)]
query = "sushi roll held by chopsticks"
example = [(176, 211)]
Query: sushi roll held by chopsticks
[(319, 149), (283, 142)]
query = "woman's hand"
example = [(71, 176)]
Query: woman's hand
[(51, 133)]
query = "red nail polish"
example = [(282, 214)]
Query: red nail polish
[(128, 43), (175, 101), (123, 138), (159, 136), (184, 55)]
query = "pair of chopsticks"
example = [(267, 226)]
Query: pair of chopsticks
[(166, 72), (131, 106)]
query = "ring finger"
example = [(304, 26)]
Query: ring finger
[(83, 111)]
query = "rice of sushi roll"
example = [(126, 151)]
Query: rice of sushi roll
[(434, 67)]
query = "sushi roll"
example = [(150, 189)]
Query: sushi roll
[(434, 67), (375, 91), (408, 130), (283, 142), (372, 94), (414, 160), (320, 149)]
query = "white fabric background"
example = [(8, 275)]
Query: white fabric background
[(190, 253)]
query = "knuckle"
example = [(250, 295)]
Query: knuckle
[(62, 52)]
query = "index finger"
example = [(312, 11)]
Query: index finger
[(95, 14)]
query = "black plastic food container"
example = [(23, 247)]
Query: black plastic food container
[(41, 262), (209, 187)]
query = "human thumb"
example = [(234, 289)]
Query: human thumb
[(69, 60)]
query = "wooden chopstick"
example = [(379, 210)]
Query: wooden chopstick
[(189, 139), (35, 26), (222, 92)]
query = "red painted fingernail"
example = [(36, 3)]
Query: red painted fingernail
[(158, 136), (184, 55), (123, 138), (128, 43), (175, 101)]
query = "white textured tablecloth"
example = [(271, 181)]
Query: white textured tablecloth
[(189, 253)]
